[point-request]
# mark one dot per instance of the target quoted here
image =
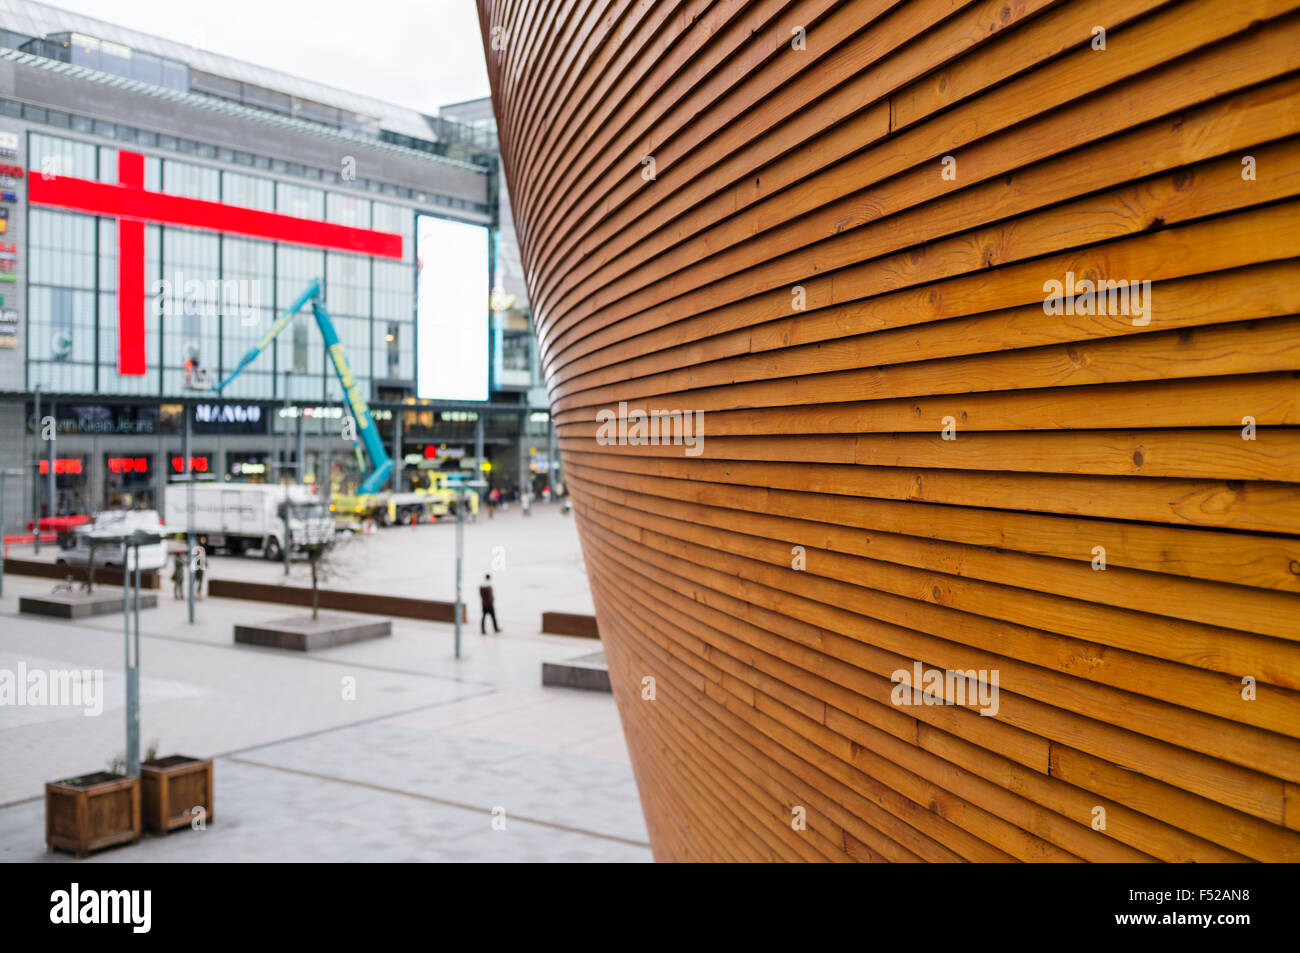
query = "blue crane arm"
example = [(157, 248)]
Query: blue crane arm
[(367, 436), (282, 322)]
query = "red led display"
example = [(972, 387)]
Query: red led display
[(128, 464), (197, 464)]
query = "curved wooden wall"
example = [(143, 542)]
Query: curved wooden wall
[(684, 178)]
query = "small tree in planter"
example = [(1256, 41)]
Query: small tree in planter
[(326, 561), (305, 633), (173, 790)]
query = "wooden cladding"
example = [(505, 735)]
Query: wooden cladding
[(932, 341)]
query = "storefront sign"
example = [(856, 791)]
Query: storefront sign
[(229, 418), (8, 261), (227, 413), (63, 465), (8, 327), (248, 467), (82, 419)]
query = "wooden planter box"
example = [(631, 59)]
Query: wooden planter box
[(173, 786), (92, 812)]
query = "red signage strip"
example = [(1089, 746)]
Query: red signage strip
[(130, 272), (123, 201), (133, 206)]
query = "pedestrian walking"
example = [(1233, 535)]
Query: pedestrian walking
[(200, 565), (489, 606), (178, 576)]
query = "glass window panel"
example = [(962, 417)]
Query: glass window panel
[(263, 98), (192, 303), (399, 221), (299, 200), (175, 75), (55, 156), (248, 191), (107, 164), (249, 264), (115, 59), (347, 284), (193, 181), (85, 51), (295, 268), (347, 209), (147, 68)]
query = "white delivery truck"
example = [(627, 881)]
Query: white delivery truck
[(241, 516)]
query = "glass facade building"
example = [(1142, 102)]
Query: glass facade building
[(210, 297), (174, 123)]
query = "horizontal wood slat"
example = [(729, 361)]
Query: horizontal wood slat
[(827, 421)]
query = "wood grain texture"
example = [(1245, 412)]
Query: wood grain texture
[(824, 233)]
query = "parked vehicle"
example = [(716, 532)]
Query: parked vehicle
[(436, 498), (238, 517), (75, 546)]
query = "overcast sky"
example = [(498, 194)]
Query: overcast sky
[(419, 53)]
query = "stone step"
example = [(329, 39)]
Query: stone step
[(588, 671)]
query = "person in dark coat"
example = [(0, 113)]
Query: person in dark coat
[(489, 606), (178, 576)]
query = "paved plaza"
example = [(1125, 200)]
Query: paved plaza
[(390, 749)]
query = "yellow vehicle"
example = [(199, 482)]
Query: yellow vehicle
[(442, 490), (437, 497)]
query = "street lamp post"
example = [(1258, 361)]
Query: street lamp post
[(36, 432), (188, 452), (288, 529), (131, 612), (53, 487), (131, 543), (3, 474), (462, 498), (460, 558)]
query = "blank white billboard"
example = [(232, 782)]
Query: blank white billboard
[(452, 310)]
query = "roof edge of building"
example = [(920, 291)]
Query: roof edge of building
[(199, 101)]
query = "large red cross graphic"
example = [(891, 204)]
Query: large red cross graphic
[(132, 205)]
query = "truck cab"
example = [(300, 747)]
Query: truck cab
[(310, 521)]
